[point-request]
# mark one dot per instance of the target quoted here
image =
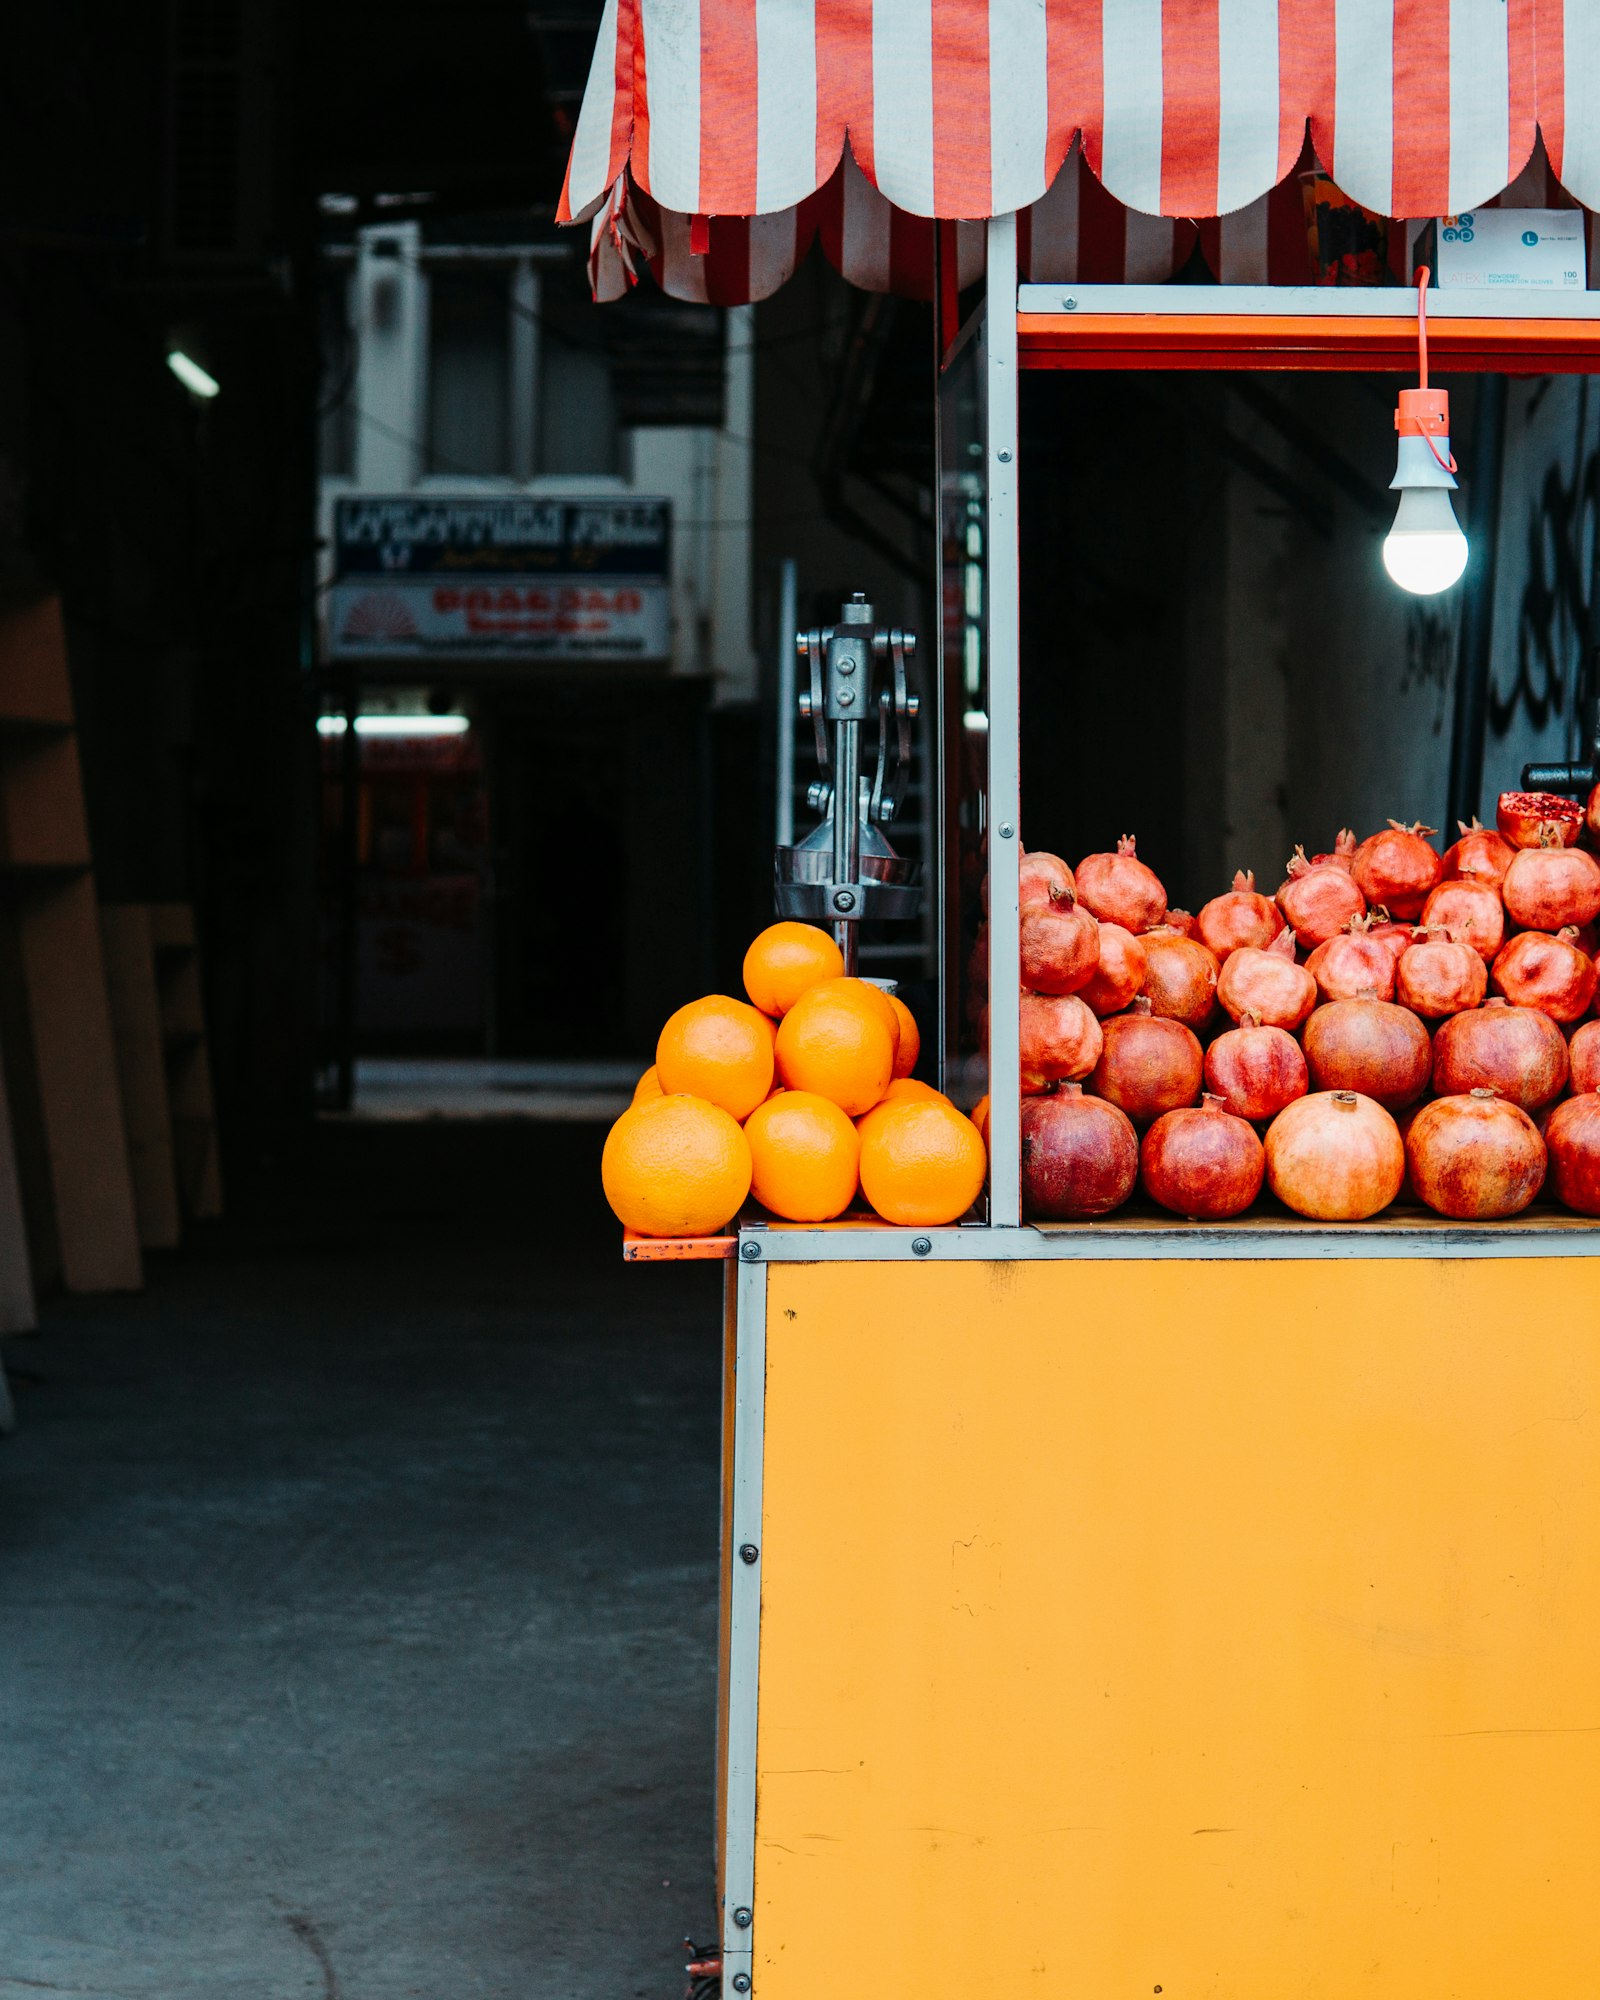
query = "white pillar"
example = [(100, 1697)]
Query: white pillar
[(391, 388)]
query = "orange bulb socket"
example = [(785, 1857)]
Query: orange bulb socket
[(1423, 413)]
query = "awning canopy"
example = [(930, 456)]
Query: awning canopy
[(719, 138)]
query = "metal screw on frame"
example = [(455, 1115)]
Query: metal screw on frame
[(748, 1552), (750, 1252), (742, 1918), (921, 1245), (741, 1982)]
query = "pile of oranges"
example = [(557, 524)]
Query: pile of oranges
[(801, 1096)]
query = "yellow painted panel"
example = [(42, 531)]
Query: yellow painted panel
[(1228, 1631)]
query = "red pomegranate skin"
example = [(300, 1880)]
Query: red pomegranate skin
[(1318, 902), (1437, 977), (1591, 815), (1344, 852), (1119, 889), (1572, 1137), (1404, 1120), (1060, 949), (1352, 964), (1256, 1070), (1120, 973), (1583, 1056), (1395, 938), (1529, 819), (1202, 1162), (1516, 1051), (1044, 881), (1369, 1046), (1471, 912), (1180, 978), (1547, 888), (1268, 984), (1335, 1156), (1242, 917), (1181, 921), (1481, 855), (1475, 1158), (1549, 973), (1080, 1157), (1148, 1065), (1060, 1037), (1398, 869)]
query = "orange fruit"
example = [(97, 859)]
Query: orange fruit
[(835, 1041), (804, 1152), (980, 1116), (922, 1162), (885, 1007), (784, 961), (675, 1166), (649, 1085), (718, 1049), (903, 1090), (910, 1048)]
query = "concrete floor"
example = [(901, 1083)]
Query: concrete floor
[(357, 1596)]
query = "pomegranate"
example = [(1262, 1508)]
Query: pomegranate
[(1180, 979), (1549, 886), (1060, 948), (1404, 1120), (1119, 889), (1583, 1054), (1148, 1065), (1573, 1138), (1080, 1156), (1256, 1070), (1268, 984), (1202, 1162), (1382, 929), (1060, 1038), (1591, 815), (1181, 921), (1371, 1046), (1120, 973), (1480, 855), (1335, 1156), (1398, 868), (1437, 977), (1549, 973), (1043, 882), (1242, 917), (1344, 852), (1475, 1157), (1515, 1050), (1353, 963), (1319, 899), (1469, 911), (1523, 816)]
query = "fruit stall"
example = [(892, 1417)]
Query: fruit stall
[(1159, 1529)]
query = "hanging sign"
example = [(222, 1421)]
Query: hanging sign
[(527, 578)]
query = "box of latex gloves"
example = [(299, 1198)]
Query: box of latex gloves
[(1541, 249)]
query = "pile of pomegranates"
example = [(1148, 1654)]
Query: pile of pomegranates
[(1395, 1022)]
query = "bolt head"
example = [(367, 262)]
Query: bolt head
[(921, 1245), (1007, 832), (748, 1552), (847, 697), (844, 899), (1069, 305), (750, 1252), (741, 1982), (742, 1918), (1004, 457)]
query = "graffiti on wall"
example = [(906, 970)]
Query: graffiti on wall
[(1558, 615)]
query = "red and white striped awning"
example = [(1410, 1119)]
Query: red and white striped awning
[(719, 138)]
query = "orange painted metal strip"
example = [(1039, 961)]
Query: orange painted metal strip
[(1208, 340), (676, 1249)]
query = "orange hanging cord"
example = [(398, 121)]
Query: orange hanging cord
[(1425, 412)]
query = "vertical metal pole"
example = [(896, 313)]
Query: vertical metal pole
[(788, 612), (847, 827), (1477, 610), (1004, 827), (349, 881), (525, 369)]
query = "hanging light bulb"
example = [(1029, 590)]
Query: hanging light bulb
[(1425, 551)]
